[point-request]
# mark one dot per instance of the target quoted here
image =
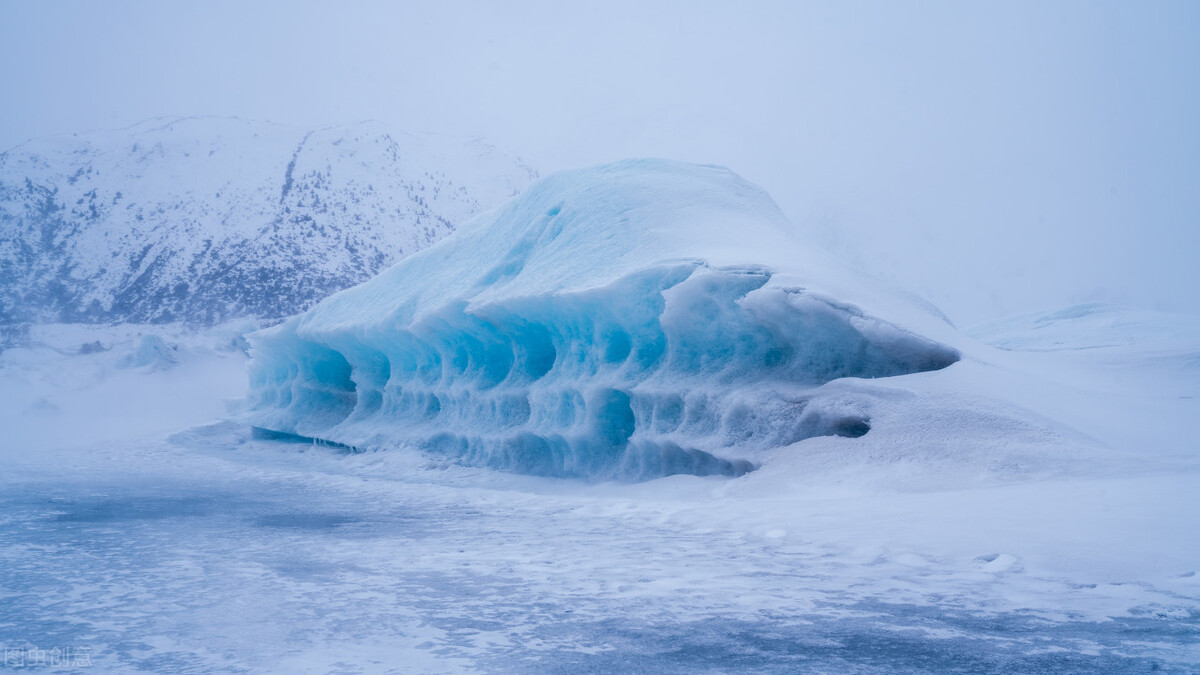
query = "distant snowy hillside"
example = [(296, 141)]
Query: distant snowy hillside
[(203, 219), (632, 320), (1092, 326)]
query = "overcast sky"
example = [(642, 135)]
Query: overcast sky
[(993, 157)]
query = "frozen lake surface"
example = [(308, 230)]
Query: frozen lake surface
[(216, 552), (142, 529)]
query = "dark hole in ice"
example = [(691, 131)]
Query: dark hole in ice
[(614, 418), (851, 427)]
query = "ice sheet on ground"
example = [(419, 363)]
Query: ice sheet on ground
[(214, 551)]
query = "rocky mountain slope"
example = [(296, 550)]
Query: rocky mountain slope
[(199, 220)]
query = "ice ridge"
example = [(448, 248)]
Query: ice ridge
[(610, 324)]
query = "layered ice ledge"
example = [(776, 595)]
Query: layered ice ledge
[(628, 321)]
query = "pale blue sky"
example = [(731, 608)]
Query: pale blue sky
[(994, 157)]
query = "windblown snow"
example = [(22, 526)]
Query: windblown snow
[(628, 321), (1029, 509)]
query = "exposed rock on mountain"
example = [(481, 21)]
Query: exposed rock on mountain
[(203, 219)]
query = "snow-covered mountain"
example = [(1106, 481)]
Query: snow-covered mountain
[(203, 219)]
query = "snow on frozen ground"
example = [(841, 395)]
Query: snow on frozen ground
[(1017, 498), (206, 549), (83, 384)]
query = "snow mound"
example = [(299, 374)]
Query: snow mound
[(628, 321)]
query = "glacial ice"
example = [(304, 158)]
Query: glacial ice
[(628, 321)]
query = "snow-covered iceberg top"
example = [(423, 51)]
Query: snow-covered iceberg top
[(632, 320)]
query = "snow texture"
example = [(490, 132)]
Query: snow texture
[(937, 542), (629, 321), (205, 219)]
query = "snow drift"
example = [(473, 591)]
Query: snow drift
[(627, 321)]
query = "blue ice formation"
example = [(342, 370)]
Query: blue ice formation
[(628, 321)]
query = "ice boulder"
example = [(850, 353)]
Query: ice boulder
[(153, 352), (627, 321)]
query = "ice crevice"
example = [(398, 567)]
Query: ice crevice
[(672, 365)]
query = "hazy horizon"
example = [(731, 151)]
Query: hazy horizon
[(994, 159)]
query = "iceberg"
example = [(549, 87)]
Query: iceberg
[(628, 321)]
